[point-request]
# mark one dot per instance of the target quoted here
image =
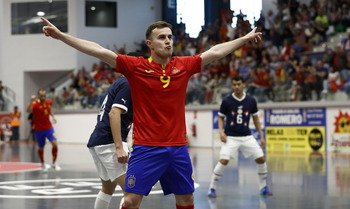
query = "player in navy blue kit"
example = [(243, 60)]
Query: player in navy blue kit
[(236, 135), (107, 143)]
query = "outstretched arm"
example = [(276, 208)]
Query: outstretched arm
[(221, 50), (87, 47)]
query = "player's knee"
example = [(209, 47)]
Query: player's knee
[(184, 200), (132, 200), (260, 160), (224, 161)]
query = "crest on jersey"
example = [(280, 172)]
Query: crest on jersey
[(175, 70)]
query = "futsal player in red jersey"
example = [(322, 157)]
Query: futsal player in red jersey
[(158, 89), (41, 112)]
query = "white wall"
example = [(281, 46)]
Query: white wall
[(35, 52)]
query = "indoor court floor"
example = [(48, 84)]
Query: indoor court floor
[(298, 180)]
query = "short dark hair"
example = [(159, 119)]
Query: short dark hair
[(238, 78), (158, 24)]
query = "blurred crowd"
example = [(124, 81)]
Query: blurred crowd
[(282, 68)]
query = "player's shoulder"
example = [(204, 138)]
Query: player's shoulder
[(120, 81)]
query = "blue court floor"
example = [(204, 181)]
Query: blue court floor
[(298, 180)]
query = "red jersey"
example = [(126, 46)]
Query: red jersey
[(158, 96), (41, 115)]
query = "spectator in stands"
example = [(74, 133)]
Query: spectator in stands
[(345, 43), (333, 82), (298, 85), (261, 86), (299, 40), (322, 73), (282, 83), (321, 23), (223, 87), (209, 86), (56, 100), (272, 49), (340, 63), (269, 21), (312, 83), (244, 68), (196, 90), (66, 97)]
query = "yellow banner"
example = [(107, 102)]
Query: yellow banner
[(301, 138)]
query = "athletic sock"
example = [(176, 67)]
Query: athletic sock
[(217, 173), (262, 172), (102, 200), (127, 208), (54, 154), (185, 207), (41, 155)]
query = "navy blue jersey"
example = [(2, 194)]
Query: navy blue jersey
[(118, 95), (237, 113)]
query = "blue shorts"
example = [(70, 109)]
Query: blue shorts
[(41, 136), (170, 165)]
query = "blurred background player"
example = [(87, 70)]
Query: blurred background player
[(43, 129), (236, 136)]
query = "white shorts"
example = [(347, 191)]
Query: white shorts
[(246, 144), (106, 161)]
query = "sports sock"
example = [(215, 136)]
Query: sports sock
[(102, 200), (217, 173), (127, 208), (262, 172), (41, 155), (54, 154), (185, 207)]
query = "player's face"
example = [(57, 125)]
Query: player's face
[(161, 42), (42, 96), (237, 86)]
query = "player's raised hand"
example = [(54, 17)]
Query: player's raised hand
[(254, 36), (50, 29)]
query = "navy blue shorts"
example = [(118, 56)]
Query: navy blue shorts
[(41, 136), (170, 165)]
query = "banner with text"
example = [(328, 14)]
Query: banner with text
[(301, 129)]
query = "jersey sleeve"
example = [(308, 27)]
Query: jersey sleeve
[(223, 109), (123, 97), (126, 64), (193, 63), (254, 107)]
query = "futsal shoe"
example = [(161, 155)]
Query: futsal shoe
[(265, 191), (56, 167), (212, 193), (44, 167)]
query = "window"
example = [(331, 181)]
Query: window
[(101, 14), (194, 20), (25, 17), (250, 8)]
